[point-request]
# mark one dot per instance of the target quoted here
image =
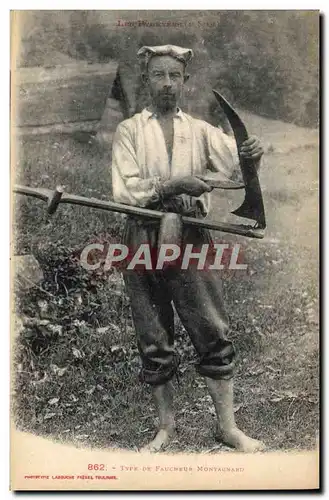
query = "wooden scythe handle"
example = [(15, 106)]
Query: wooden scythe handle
[(53, 199)]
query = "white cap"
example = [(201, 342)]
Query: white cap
[(184, 55)]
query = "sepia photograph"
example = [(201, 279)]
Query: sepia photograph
[(165, 249)]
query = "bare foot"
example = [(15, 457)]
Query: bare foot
[(160, 441), (239, 440)]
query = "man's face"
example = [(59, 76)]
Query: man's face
[(165, 78)]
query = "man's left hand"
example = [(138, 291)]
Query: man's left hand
[(252, 148)]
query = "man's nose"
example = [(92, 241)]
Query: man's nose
[(167, 82)]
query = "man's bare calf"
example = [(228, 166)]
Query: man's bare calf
[(221, 392), (163, 397)]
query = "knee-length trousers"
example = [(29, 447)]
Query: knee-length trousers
[(198, 299)]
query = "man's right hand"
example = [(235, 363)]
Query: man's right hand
[(190, 185)]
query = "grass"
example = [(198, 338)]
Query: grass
[(76, 367)]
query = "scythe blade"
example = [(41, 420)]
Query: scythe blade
[(252, 206)]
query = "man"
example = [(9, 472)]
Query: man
[(160, 159)]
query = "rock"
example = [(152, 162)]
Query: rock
[(27, 270)]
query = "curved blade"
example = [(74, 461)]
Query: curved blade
[(216, 184), (252, 206)]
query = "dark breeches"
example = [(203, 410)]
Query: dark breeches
[(198, 300)]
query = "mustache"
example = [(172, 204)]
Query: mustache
[(166, 94)]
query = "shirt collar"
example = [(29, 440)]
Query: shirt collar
[(148, 113)]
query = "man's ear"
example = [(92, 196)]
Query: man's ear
[(186, 77), (145, 78)]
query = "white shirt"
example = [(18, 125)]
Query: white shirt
[(140, 161)]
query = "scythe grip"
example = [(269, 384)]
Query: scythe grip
[(54, 199)]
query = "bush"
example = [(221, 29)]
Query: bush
[(269, 63)]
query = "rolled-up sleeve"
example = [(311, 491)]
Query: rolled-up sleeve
[(223, 158), (128, 186)]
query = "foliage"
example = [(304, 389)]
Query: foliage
[(264, 61), (269, 62)]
